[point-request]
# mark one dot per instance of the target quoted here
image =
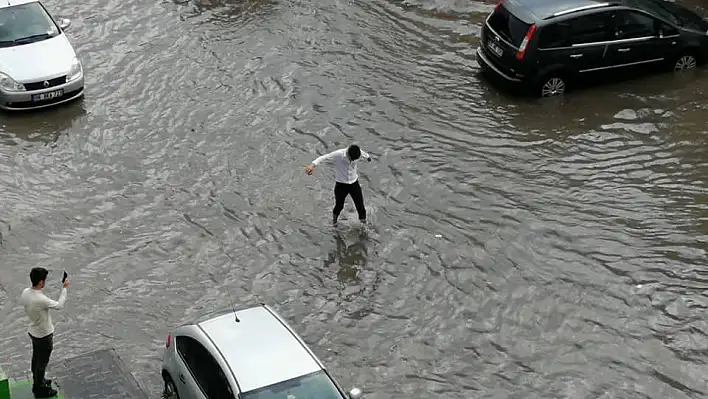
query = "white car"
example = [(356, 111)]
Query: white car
[(248, 354), (38, 66)]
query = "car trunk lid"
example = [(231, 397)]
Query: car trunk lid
[(507, 36)]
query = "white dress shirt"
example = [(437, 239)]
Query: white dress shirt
[(37, 307), (345, 171)]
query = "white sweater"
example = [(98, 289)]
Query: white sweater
[(37, 307)]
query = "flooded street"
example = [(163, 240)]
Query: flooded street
[(517, 249)]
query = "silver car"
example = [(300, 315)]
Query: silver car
[(38, 65), (247, 354)]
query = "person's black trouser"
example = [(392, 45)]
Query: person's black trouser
[(341, 190), (41, 351)]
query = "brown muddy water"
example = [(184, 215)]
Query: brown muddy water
[(517, 249)]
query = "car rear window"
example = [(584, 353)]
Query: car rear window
[(508, 26)]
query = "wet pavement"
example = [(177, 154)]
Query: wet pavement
[(517, 249)]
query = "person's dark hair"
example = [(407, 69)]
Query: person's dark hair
[(354, 152), (38, 274)]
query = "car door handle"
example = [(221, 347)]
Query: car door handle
[(181, 378), (623, 50), (576, 55)]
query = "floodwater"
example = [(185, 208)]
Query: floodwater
[(517, 249)]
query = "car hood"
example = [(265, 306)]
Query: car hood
[(31, 62)]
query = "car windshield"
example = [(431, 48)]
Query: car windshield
[(656, 9), (317, 385), (684, 16), (25, 23)]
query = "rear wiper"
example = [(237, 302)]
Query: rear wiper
[(32, 37)]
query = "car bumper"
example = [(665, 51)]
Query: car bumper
[(487, 65), (25, 100)]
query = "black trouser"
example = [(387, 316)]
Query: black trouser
[(41, 351), (341, 190)]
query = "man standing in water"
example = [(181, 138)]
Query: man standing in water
[(346, 178), (41, 328)]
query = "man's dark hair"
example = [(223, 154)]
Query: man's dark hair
[(354, 152), (38, 274)]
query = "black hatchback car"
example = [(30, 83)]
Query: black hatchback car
[(547, 45)]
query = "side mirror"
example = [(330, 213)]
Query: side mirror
[(65, 23), (354, 393)]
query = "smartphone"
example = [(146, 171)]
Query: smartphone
[(64, 278)]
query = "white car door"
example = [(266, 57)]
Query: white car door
[(187, 366)]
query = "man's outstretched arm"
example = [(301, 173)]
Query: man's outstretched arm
[(366, 155), (326, 157), (52, 304)]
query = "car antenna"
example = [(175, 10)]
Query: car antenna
[(233, 307)]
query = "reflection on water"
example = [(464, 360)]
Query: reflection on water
[(230, 11), (41, 126), (351, 257), (589, 109)]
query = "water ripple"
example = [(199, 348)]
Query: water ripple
[(515, 249)]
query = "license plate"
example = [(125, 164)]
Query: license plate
[(48, 95), (496, 49)]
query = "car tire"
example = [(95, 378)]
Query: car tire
[(551, 85), (685, 61), (170, 390)]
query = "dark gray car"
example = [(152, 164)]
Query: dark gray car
[(544, 46)]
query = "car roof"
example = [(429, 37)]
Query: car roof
[(541, 9), (259, 348), (10, 3)]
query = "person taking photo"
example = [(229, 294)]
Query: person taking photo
[(41, 328)]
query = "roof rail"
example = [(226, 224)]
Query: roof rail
[(582, 8)]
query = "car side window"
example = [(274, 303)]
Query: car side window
[(204, 368), (555, 36), (591, 28), (632, 25)]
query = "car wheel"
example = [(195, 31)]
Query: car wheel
[(684, 62), (551, 86), (170, 391)]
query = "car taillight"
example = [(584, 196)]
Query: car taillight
[(522, 49), (168, 341)]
